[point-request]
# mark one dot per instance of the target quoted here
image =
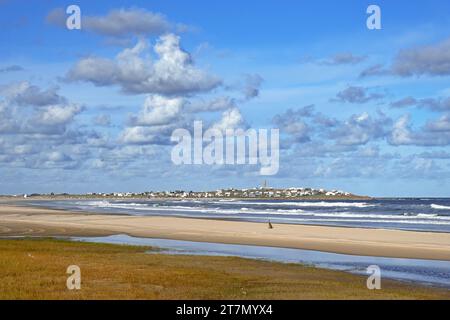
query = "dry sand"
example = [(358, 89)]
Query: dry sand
[(30, 221)]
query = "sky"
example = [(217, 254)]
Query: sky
[(93, 110)]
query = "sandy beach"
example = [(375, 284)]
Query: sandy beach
[(31, 221)]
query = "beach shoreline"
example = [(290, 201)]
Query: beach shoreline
[(23, 220)]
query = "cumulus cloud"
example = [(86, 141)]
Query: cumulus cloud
[(215, 104), (41, 129), (173, 73), (52, 119), (306, 126), (156, 120), (252, 86), (292, 123), (47, 112), (325, 121), (405, 102), (57, 156), (231, 119), (248, 88), (435, 104), (140, 135), (8, 124), (121, 22), (25, 94), (57, 114), (435, 133), (431, 60), (402, 133), (355, 94), (360, 129), (440, 125), (159, 110)]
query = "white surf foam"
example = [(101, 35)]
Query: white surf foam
[(440, 207), (306, 204)]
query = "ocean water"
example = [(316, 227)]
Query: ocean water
[(426, 214), (427, 272)]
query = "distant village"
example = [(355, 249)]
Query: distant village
[(260, 192), (245, 193)]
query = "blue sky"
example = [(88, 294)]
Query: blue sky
[(366, 111)]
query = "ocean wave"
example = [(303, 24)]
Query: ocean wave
[(101, 203), (440, 207), (390, 217), (424, 222), (248, 211), (305, 204), (108, 204), (427, 215), (180, 208)]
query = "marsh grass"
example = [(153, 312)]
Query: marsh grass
[(36, 269)]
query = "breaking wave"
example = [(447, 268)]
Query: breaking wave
[(305, 204), (410, 214), (440, 207)]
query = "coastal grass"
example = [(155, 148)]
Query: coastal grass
[(36, 269)]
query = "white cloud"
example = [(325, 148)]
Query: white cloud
[(428, 60), (25, 94), (435, 133), (440, 125), (49, 113), (216, 104), (99, 71), (433, 60), (146, 135), (401, 132), (435, 104), (173, 73), (292, 122), (354, 94), (57, 156), (252, 86), (120, 23), (159, 110), (360, 129), (57, 114), (231, 119)]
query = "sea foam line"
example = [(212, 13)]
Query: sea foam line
[(439, 207)]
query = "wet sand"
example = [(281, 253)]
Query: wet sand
[(31, 221)]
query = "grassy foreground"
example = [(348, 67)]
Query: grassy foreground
[(36, 269)]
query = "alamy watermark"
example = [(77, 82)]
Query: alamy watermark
[(73, 21), (74, 280), (229, 146), (374, 279), (373, 22)]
